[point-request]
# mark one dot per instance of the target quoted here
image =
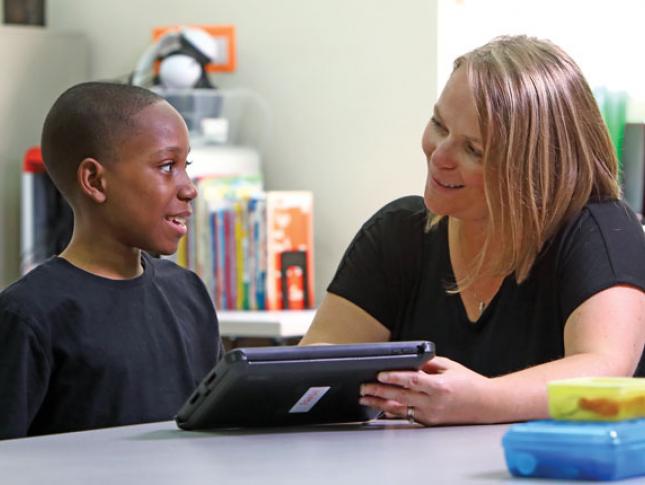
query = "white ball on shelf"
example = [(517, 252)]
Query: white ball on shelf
[(179, 71)]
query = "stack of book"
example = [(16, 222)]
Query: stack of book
[(253, 249)]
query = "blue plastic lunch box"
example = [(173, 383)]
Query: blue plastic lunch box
[(576, 449)]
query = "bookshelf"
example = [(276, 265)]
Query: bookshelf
[(233, 242), (277, 325)]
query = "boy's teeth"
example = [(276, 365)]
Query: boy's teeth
[(178, 220)]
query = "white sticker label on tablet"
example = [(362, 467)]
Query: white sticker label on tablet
[(309, 399)]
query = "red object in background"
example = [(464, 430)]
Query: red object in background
[(289, 243), (295, 288), (33, 162), (47, 221)]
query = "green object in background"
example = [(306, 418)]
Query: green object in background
[(613, 106)]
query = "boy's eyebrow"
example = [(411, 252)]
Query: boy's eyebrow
[(174, 149), (436, 114)]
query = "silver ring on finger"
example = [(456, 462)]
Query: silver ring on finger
[(409, 414)]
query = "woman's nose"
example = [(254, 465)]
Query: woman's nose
[(443, 156)]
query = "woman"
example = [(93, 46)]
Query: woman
[(520, 263)]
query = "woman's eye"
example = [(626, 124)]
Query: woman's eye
[(437, 125), (473, 151)]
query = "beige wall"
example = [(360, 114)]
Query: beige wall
[(36, 66), (350, 84), (607, 45)]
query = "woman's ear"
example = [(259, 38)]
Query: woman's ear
[(91, 178)]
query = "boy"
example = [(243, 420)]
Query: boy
[(103, 334)]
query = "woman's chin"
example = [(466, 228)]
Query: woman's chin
[(433, 207)]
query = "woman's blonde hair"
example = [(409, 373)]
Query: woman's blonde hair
[(547, 151)]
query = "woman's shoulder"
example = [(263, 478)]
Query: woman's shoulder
[(603, 246), (607, 233), (610, 210), (610, 218), (408, 211), (405, 204)]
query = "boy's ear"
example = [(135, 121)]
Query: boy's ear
[(91, 178)]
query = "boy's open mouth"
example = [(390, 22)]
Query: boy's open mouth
[(177, 220)]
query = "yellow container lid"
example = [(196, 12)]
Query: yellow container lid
[(597, 398)]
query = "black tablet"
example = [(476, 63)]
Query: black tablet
[(278, 386)]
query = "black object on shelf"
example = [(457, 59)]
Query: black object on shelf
[(24, 12), (294, 261)]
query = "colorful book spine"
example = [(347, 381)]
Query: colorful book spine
[(253, 249), (259, 232), (220, 255), (240, 234)]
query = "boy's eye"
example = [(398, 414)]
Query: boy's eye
[(167, 167)]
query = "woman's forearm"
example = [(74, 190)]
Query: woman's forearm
[(522, 395)]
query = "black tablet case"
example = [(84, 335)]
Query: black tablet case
[(278, 386)]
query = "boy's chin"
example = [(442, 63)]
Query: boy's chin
[(161, 251)]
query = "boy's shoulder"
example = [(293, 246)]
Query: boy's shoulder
[(41, 284), (57, 285), (168, 272)]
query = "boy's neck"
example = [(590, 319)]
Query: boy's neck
[(104, 261)]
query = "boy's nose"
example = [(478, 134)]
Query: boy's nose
[(187, 190)]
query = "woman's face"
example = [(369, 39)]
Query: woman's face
[(453, 147)]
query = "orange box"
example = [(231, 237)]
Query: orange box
[(227, 32), (290, 249)]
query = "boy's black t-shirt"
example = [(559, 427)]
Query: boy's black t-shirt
[(399, 274), (78, 351)]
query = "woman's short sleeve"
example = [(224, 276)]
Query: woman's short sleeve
[(382, 262), (604, 247)]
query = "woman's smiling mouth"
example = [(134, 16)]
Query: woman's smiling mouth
[(447, 185)]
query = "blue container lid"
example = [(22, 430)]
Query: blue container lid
[(585, 433), (580, 450)]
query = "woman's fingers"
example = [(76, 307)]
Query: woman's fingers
[(392, 409), (415, 380), (444, 392), (397, 397), (436, 365), (423, 380)]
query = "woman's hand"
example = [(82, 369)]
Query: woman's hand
[(442, 392)]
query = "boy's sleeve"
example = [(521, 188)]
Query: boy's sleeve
[(24, 368)]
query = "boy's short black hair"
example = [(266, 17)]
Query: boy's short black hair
[(89, 120)]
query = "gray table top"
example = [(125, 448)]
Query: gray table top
[(382, 452)]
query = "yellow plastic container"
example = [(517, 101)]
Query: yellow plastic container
[(597, 398)]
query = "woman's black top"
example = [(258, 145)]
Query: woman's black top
[(399, 274)]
